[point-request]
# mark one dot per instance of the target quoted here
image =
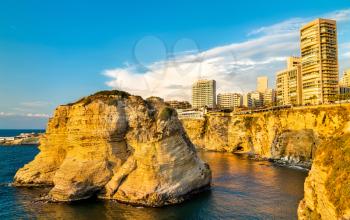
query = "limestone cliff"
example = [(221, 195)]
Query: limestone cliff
[(300, 136), (290, 135), (116, 146), (327, 188)]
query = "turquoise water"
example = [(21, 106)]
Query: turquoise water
[(241, 189)]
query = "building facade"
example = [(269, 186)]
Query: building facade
[(288, 83), (293, 62), (247, 100), (269, 97), (261, 84), (204, 94), (257, 99), (229, 100), (345, 79), (179, 104), (190, 114), (344, 90), (319, 61)]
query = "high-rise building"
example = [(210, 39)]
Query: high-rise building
[(319, 60), (247, 100), (345, 79), (204, 94), (257, 99), (288, 83), (261, 84), (229, 100), (269, 97)]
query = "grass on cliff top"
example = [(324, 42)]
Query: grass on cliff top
[(336, 156), (101, 95)]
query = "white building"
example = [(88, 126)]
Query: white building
[(190, 114), (204, 94), (229, 100)]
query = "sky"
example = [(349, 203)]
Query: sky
[(54, 52)]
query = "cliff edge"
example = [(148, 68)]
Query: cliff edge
[(116, 146)]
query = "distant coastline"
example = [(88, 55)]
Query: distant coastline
[(20, 137)]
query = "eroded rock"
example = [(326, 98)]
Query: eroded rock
[(117, 146)]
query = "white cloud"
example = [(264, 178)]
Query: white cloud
[(6, 114), (285, 26), (339, 16), (234, 66), (30, 115), (37, 115)]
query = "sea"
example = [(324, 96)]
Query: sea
[(241, 189)]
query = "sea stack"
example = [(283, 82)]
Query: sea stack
[(117, 146)]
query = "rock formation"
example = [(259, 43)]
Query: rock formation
[(116, 146), (327, 187), (290, 135), (317, 135)]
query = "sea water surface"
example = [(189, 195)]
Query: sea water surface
[(241, 189)]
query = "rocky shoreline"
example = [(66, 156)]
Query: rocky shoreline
[(285, 162), (113, 145), (27, 139)]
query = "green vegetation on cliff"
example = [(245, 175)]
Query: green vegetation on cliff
[(103, 96)]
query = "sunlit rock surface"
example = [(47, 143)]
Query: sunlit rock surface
[(327, 188), (318, 135), (117, 146), (290, 135)]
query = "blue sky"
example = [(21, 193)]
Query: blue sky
[(53, 52)]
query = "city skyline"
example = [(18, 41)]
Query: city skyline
[(235, 62)]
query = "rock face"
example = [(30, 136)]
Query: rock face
[(320, 136), (116, 146), (327, 188), (290, 135)]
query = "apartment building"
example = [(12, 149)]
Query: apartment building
[(204, 94), (319, 61), (288, 83), (257, 99), (229, 100), (269, 97), (247, 100)]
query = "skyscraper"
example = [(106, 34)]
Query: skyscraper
[(319, 60), (204, 94), (261, 84)]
